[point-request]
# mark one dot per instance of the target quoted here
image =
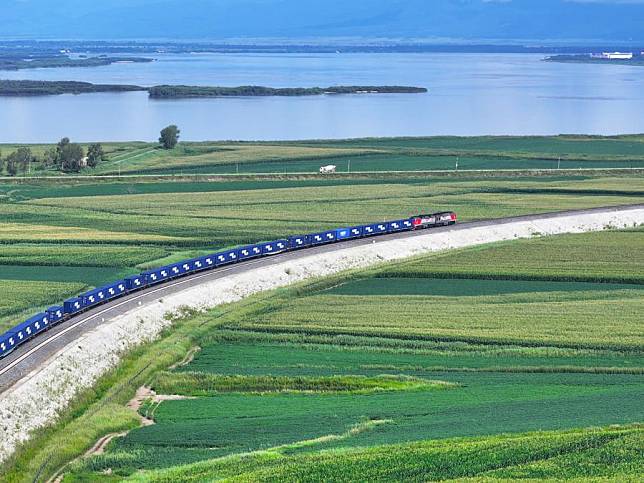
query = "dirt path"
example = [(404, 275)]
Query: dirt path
[(187, 359), (101, 444)]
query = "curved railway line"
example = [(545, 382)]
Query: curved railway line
[(29, 356)]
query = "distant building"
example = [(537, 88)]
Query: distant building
[(613, 55)]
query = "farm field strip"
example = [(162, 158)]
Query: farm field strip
[(401, 154)]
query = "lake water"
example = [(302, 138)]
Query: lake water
[(469, 94)]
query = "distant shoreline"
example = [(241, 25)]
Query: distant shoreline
[(27, 88), (20, 62), (637, 60)]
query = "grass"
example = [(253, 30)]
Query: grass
[(553, 318), (383, 154), (386, 154), (77, 255), (617, 256), (21, 298), (206, 156), (204, 384), (599, 453)]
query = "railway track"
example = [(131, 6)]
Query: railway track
[(28, 357)]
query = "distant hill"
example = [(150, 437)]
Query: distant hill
[(440, 20)]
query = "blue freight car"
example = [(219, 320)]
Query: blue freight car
[(349, 233), (155, 276), (135, 282), (178, 269), (375, 229), (299, 241), (201, 263), (103, 294), (397, 225), (250, 251), (7, 342), (55, 314), (226, 257), (273, 247), (323, 237), (72, 306), (23, 332)]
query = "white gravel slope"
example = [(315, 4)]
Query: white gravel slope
[(36, 400)]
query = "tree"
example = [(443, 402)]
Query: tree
[(71, 155), (1, 163), (68, 155), (12, 167), (169, 137), (95, 154), (19, 160), (50, 157), (62, 144)]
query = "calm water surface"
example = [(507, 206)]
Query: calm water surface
[(470, 94)]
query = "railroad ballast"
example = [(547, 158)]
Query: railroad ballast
[(41, 322)]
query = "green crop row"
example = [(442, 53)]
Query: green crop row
[(599, 453), (204, 384)]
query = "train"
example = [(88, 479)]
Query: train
[(74, 306)]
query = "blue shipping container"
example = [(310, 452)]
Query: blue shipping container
[(277, 246), (251, 251), (135, 282), (375, 229), (396, 225), (323, 237), (7, 342), (226, 257), (73, 305), (157, 275), (208, 261), (55, 313), (348, 233), (115, 289), (299, 241)]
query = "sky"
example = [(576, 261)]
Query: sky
[(513, 21)]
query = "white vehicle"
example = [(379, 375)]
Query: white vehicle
[(328, 169)]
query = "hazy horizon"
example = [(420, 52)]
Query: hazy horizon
[(440, 21)]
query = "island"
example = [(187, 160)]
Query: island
[(604, 58), (43, 88), (177, 92), (46, 88), (16, 62)]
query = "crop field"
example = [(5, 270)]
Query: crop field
[(20, 295), (365, 155), (490, 354), (395, 374), (617, 257), (595, 454)]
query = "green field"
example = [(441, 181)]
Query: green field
[(474, 363), (387, 376), (369, 155)]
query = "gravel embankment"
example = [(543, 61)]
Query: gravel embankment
[(37, 399)]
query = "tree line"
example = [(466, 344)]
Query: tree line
[(66, 156), (69, 157)]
